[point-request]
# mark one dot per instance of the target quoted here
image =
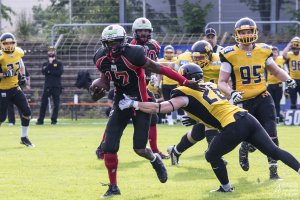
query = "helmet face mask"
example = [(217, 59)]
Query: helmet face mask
[(142, 29), (8, 43), (201, 53), (245, 31), (114, 39), (191, 71)]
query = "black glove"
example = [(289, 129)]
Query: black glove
[(22, 80), (9, 73), (187, 121)]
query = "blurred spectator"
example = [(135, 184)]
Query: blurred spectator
[(52, 69), (211, 37)]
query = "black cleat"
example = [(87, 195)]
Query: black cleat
[(112, 191), (243, 156), (222, 190), (39, 123), (26, 142), (273, 173), (174, 156), (53, 123), (100, 154), (160, 169)]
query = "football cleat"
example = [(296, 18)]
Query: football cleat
[(25, 141), (174, 156), (243, 156), (112, 191), (160, 169), (273, 173), (100, 153), (222, 190)]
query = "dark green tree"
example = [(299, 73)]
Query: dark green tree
[(6, 12), (194, 15)]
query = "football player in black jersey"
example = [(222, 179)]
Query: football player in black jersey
[(125, 65), (142, 35), (209, 106)]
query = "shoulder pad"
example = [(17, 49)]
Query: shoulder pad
[(19, 51), (227, 49)]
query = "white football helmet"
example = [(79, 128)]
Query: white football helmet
[(142, 24), (114, 38)]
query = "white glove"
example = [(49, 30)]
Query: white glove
[(236, 96), (9, 73), (153, 80), (128, 103), (291, 83)]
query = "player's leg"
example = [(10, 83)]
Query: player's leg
[(56, 99), (44, 103), (141, 122), (11, 114), (189, 139), (223, 143), (260, 138), (3, 105), (20, 101), (266, 115), (293, 97), (277, 99), (166, 90), (114, 130)]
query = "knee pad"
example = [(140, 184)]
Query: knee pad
[(154, 119), (25, 121), (198, 132), (208, 156), (210, 134)]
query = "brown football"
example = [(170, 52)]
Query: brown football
[(99, 83)]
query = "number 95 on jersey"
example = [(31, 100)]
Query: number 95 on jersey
[(292, 118)]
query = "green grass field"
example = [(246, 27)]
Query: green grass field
[(63, 166)]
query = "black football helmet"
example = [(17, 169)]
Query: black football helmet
[(8, 42), (169, 52), (191, 71), (114, 39), (142, 24), (202, 53), (245, 24)]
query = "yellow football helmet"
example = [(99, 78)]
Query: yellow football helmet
[(201, 53), (8, 42), (245, 24)]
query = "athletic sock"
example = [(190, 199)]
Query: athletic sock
[(153, 139), (299, 171), (24, 131), (184, 144), (111, 163), (227, 186)]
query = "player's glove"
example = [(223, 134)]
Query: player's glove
[(22, 80), (9, 73), (187, 121), (128, 103), (291, 83), (236, 96), (96, 93)]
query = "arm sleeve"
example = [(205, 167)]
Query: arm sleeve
[(226, 67)]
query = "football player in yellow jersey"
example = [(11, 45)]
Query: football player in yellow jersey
[(167, 84), (245, 63), (11, 65), (201, 54), (293, 60), (274, 84), (208, 106)]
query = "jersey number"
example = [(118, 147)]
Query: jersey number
[(11, 66), (120, 75), (248, 72), (296, 65), (216, 91)]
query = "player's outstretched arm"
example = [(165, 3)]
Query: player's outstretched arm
[(151, 107), (160, 69)]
